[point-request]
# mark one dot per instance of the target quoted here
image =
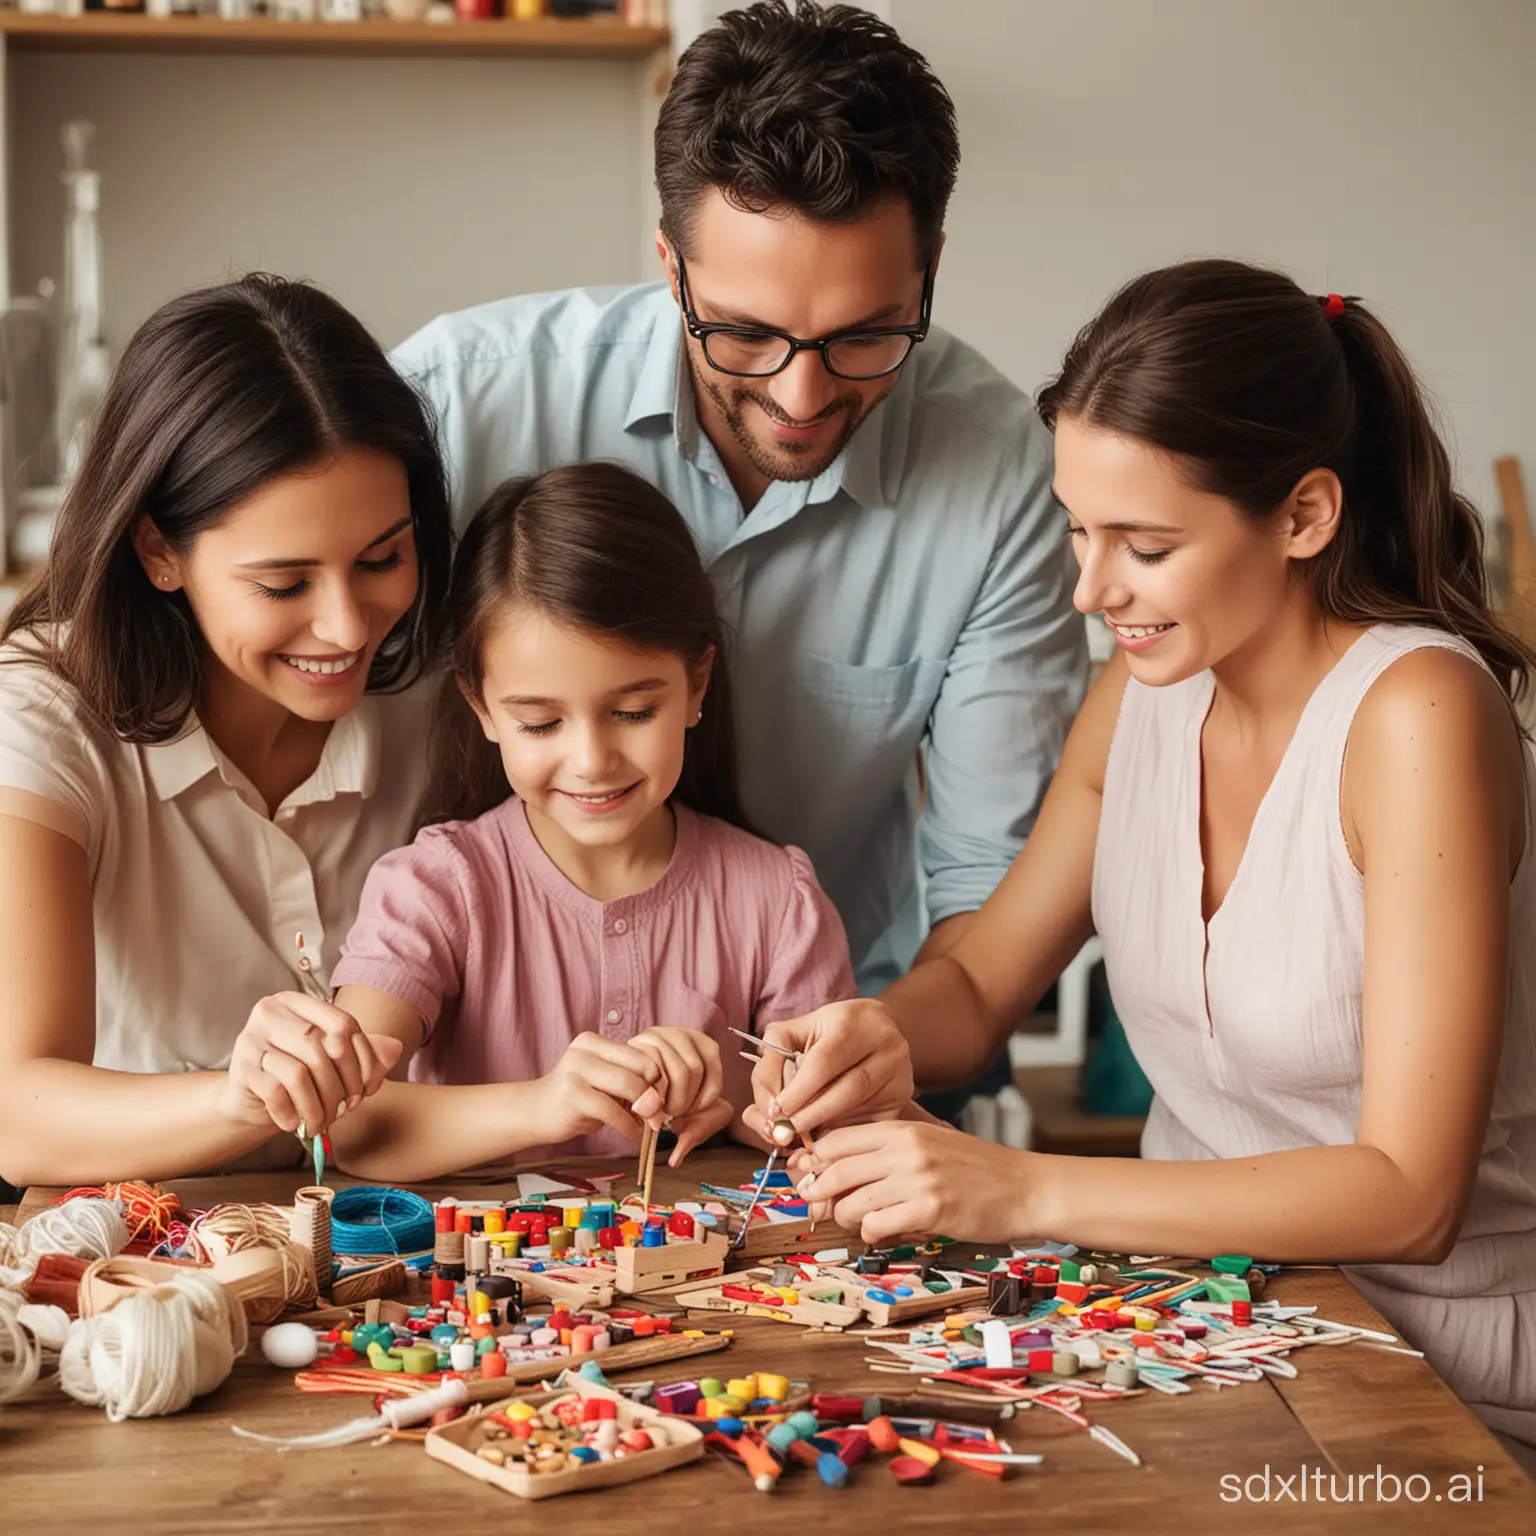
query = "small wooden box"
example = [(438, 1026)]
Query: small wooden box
[(677, 1443), (638, 1270)]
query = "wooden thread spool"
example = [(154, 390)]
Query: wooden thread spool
[(310, 1226)]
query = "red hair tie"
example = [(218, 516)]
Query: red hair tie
[(1333, 307)]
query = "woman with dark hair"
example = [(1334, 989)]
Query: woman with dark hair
[(207, 737), (566, 945), (1299, 813)]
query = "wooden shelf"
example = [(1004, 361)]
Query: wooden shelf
[(100, 31)]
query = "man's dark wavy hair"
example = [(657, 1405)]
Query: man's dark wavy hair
[(819, 109)]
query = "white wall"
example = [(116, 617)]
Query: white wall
[(1381, 147), (1385, 148), (407, 186)]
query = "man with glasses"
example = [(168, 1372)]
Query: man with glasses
[(872, 498)]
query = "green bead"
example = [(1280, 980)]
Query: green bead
[(902, 1254), (709, 1386), (984, 1265), (1071, 1271), (485, 1346), (381, 1361), (971, 1334), (419, 1359), (938, 1287), (1232, 1263)]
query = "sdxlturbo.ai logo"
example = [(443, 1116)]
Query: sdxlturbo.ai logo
[(1319, 1485)]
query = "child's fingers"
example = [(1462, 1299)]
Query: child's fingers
[(695, 1129), (682, 1066), (619, 1083), (598, 1108)]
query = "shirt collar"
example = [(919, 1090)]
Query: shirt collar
[(348, 765), (656, 390)]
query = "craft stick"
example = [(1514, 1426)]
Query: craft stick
[(649, 1172)]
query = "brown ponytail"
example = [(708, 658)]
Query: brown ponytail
[(597, 548), (1246, 378)]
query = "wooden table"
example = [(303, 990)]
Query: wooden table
[(64, 1467)]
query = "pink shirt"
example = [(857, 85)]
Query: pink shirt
[(507, 961)]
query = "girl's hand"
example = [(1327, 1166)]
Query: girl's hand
[(301, 1060), (854, 1066), (688, 1097), (597, 1083), (897, 1180)]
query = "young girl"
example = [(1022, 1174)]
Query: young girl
[(564, 962), (1300, 815), (203, 742)]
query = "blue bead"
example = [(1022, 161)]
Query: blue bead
[(729, 1427), (444, 1333), (590, 1370), (874, 1294), (584, 1453), (901, 1290)]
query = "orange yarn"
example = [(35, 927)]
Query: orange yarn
[(147, 1211)]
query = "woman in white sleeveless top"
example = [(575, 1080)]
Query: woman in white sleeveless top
[(1298, 812)]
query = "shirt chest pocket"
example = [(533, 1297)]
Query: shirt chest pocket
[(857, 729)]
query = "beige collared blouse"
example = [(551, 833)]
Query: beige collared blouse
[(198, 894)]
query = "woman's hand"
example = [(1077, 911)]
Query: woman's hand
[(688, 1096), (854, 1066), (895, 1180), (299, 1060), (597, 1083)]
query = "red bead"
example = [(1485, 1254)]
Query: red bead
[(1040, 1359), (610, 1237), (1242, 1313), (681, 1225)]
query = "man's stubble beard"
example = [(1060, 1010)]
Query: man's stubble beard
[(733, 408)]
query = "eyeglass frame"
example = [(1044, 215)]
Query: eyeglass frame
[(702, 330)]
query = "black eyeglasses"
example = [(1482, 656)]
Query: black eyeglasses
[(752, 353)]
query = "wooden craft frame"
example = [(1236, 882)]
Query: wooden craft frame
[(769, 1239), (455, 1443), (638, 1270), (812, 1314)]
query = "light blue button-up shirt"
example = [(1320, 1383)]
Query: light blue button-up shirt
[(915, 594)]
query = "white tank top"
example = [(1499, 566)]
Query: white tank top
[(1249, 1029)]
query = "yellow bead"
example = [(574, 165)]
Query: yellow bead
[(713, 1408), (693, 1333), (920, 1449), (1146, 1324), (494, 1222), (476, 1303), (744, 1387), (521, 1411), (774, 1387), (787, 1294), (730, 1402)]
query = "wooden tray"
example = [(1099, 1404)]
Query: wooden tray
[(678, 1443)]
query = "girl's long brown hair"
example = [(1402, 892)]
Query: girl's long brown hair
[(594, 547), (217, 393), (1246, 379)]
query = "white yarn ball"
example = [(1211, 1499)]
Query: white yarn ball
[(85, 1228), (154, 1351)]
